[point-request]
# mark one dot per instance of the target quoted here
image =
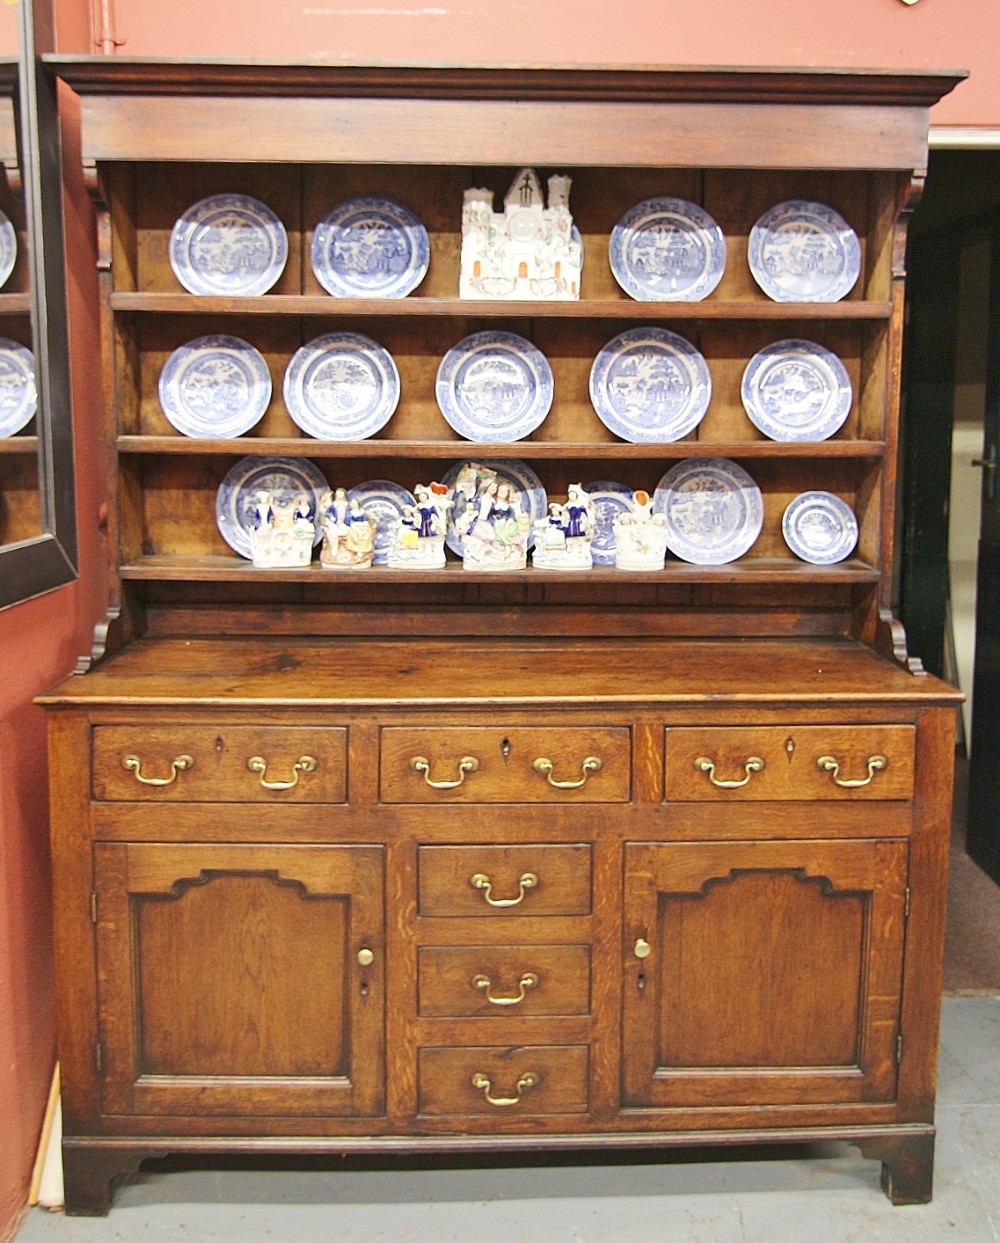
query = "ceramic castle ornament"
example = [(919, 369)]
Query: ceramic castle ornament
[(494, 527), (416, 539), (348, 532), (562, 540), (281, 529), (529, 250), (640, 535)]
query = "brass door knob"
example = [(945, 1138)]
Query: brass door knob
[(642, 948)]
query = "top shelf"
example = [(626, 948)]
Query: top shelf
[(297, 304)]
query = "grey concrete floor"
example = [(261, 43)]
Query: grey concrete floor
[(832, 1196)]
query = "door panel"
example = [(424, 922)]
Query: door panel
[(762, 972), (230, 981)]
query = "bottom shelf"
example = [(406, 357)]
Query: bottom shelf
[(754, 571)]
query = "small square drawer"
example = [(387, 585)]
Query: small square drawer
[(534, 764), (503, 1082), (495, 981), (504, 880), (809, 762), (228, 764)]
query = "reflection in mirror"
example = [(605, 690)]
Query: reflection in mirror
[(37, 505), (20, 510)]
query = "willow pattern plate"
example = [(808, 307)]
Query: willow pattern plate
[(370, 247), (713, 508), (214, 387), (796, 391), (820, 528), (18, 392), (649, 385), (531, 494), (384, 501), (494, 387), (228, 244), (667, 250), (341, 386), (285, 478), (8, 248), (801, 251), (610, 499)]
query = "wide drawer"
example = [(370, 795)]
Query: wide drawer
[(809, 762), (493, 981), (503, 1082), (225, 764), (583, 764), (551, 879)]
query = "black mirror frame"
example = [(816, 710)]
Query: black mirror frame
[(33, 566)]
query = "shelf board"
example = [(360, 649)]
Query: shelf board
[(15, 303), (455, 449), (759, 570), (19, 445), (624, 308)]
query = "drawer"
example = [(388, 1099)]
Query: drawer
[(504, 880), (495, 981), (202, 763), (535, 764), (503, 1082), (810, 762)]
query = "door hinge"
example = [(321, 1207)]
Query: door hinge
[(906, 903), (899, 1048), (98, 1057), (93, 908)]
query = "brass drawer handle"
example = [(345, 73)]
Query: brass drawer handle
[(528, 980), (304, 764), (528, 1080), (876, 764), (177, 765), (590, 765), (467, 764), (527, 880), (753, 765)]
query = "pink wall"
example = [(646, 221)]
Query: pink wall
[(938, 34), (39, 642)]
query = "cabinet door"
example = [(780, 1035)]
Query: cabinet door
[(762, 972), (233, 979)]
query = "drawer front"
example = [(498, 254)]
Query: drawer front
[(504, 881), (228, 764), (504, 1083), (494, 981), (810, 762), (580, 764)]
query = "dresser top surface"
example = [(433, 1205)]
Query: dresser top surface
[(383, 672)]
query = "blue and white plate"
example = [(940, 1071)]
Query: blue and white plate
[(713, 508), (667, 250), (18, 393), (370, 247), (494, 387), (285, 478), (610, 499), (384, 501), (460, 481), (820, 528), (341, 386), (215, 387), (228, 244), (8, 248), (801, 251), (796, 391), (649, 386)]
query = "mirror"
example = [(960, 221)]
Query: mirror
[(37, 493)]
